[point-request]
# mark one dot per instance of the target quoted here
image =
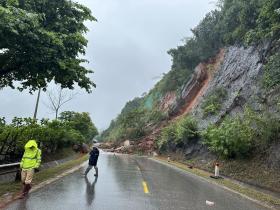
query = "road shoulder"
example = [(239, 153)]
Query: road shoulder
[(261, 198)]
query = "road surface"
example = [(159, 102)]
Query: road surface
[(133, 183)]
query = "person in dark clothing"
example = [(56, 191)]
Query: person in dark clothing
[(92, 162)]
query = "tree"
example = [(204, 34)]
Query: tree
[(208, 35), (58, 98), (80, 122), (41, 41), (269, 21)]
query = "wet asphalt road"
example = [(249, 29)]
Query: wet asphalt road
[(132, 183)]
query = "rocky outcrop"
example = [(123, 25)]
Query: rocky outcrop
[(240, 75), (196, 86)]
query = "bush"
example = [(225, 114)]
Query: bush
[(52, 135), (178, 134), (233, 138), (186, 130), (156, 116), (272, 72), (213, 102), (167, 137), (237, 137)]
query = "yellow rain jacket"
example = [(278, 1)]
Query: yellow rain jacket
[(32, 156)]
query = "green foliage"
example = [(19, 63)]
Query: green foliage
[(156, 116), (42, 41), (236, 22), (233, 138), (80, 122), (173, 80), (53, 135), (186, 130), (235, 27), (268, 22), (272, 71), (213, 102), (208, 36), (237, 137), (131, 122), (178, 134), (167, 137)]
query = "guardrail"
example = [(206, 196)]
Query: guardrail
[(11, 171), (11, 168), (9, 165)]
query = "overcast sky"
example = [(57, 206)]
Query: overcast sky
[(127, 51)]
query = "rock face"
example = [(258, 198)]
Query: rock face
[(240, 75), (196, 86)]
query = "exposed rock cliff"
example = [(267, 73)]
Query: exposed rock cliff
[(240, 75)]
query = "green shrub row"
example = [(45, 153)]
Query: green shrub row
[(237, 137), (71, 128)]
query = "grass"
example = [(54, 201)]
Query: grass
[(249, 192), (61, 154), (43, 175)]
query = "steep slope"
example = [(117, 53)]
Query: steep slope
[(241, 77)]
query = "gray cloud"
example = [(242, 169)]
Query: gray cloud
[(127, 49)]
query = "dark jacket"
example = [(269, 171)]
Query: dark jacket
[(93, 156)]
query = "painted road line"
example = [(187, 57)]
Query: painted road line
[(145, 187)]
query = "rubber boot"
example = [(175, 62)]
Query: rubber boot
[(96, 171), (24, 191), (28, 188)]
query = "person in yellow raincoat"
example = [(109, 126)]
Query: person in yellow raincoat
[(30, 162)]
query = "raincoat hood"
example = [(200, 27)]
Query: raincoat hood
[(32, 157), (31, 143)]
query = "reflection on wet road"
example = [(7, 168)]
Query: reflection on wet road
[(132, 183)]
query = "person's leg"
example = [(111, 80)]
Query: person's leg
[(23, 176), (88, 169), (96, 171), (23, 180), (28, 180)]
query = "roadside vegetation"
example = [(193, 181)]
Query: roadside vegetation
[(53, 135), (235, 138), (178, 135), (240, 136)]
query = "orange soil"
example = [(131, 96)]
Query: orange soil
[(215, 64)]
